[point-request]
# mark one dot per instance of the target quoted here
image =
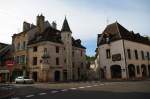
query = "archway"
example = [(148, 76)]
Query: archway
[(64, 75), (131, 70), (115, 71), (149, 70), (143, 69), (102, 74), (57, 75)]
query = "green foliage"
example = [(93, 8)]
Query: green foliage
[(90, 58)]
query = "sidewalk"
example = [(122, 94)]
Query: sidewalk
[(6, 91)]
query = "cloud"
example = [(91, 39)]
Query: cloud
[(86, 18)]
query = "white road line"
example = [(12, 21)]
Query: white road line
[(101, 84), (55, 91), (15, 98), (42, 93), (81, 87), (88, 86), (73, 88), (64, 90), (29, 96), (95, 85)]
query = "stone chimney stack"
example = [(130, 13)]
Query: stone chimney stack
[(54, 25), (26, 26), (40, 22)]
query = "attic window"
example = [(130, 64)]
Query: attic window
[(38, 38), (107, 39)]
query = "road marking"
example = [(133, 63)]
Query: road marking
[(42, 93), (81, 87), (73, 88), (95, 85), (64, 90), (15, 98), (101, 84), (88, 86), (29, 96), (55, 91)]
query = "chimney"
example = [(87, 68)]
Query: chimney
[(26, 26), (40, 22), (54, 25)]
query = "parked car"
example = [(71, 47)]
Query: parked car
[(25, 80)]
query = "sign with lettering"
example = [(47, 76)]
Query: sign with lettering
[(10, 64), (116, 57)]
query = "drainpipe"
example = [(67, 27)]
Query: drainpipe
[(125, 60)]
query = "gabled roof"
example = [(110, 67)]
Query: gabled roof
[(65, 27), (116, 31)]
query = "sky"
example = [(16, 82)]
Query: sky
[(86, 18)]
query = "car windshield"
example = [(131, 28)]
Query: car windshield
[(26, 77), (20, 77)]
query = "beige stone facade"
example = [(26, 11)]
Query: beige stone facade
[(50, 54)]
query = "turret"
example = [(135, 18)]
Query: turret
[(54, 25), (65, 27), (40, 22), (67, 40), (26, 26)]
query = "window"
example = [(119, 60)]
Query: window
[(24, 45), (129, 53), (35, 49), (73, 53), (57, 49), (81, 52), (17, 60), (22, 59), (18, 46), (136, 54), (108, 53), (81, 65), (138, 70), (45, 51), (34, 60), (73, 65), (148, 56), (65, 60), (57, 61), (142, 54)]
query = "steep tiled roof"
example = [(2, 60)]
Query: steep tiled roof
[(77, 43), (115, 31), (49, 34), (65, 27)]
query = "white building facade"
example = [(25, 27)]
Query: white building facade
[(122, 54)]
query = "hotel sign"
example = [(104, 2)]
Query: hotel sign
[(116, 57)]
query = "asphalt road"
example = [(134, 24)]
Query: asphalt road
[(88, 90)]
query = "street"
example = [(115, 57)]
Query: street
[(88, 90)]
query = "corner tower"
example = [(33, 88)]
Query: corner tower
[(66, 36)]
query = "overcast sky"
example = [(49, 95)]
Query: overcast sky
[(86, 18)]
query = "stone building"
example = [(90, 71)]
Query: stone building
[(122, 54), (5, 55), (49, 54)]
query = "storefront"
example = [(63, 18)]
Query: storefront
[(4, 75)]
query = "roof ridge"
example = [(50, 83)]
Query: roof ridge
[(118, 29)]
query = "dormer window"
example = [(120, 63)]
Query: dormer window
[(107, 39)]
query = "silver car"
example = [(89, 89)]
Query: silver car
[(25, 80)]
